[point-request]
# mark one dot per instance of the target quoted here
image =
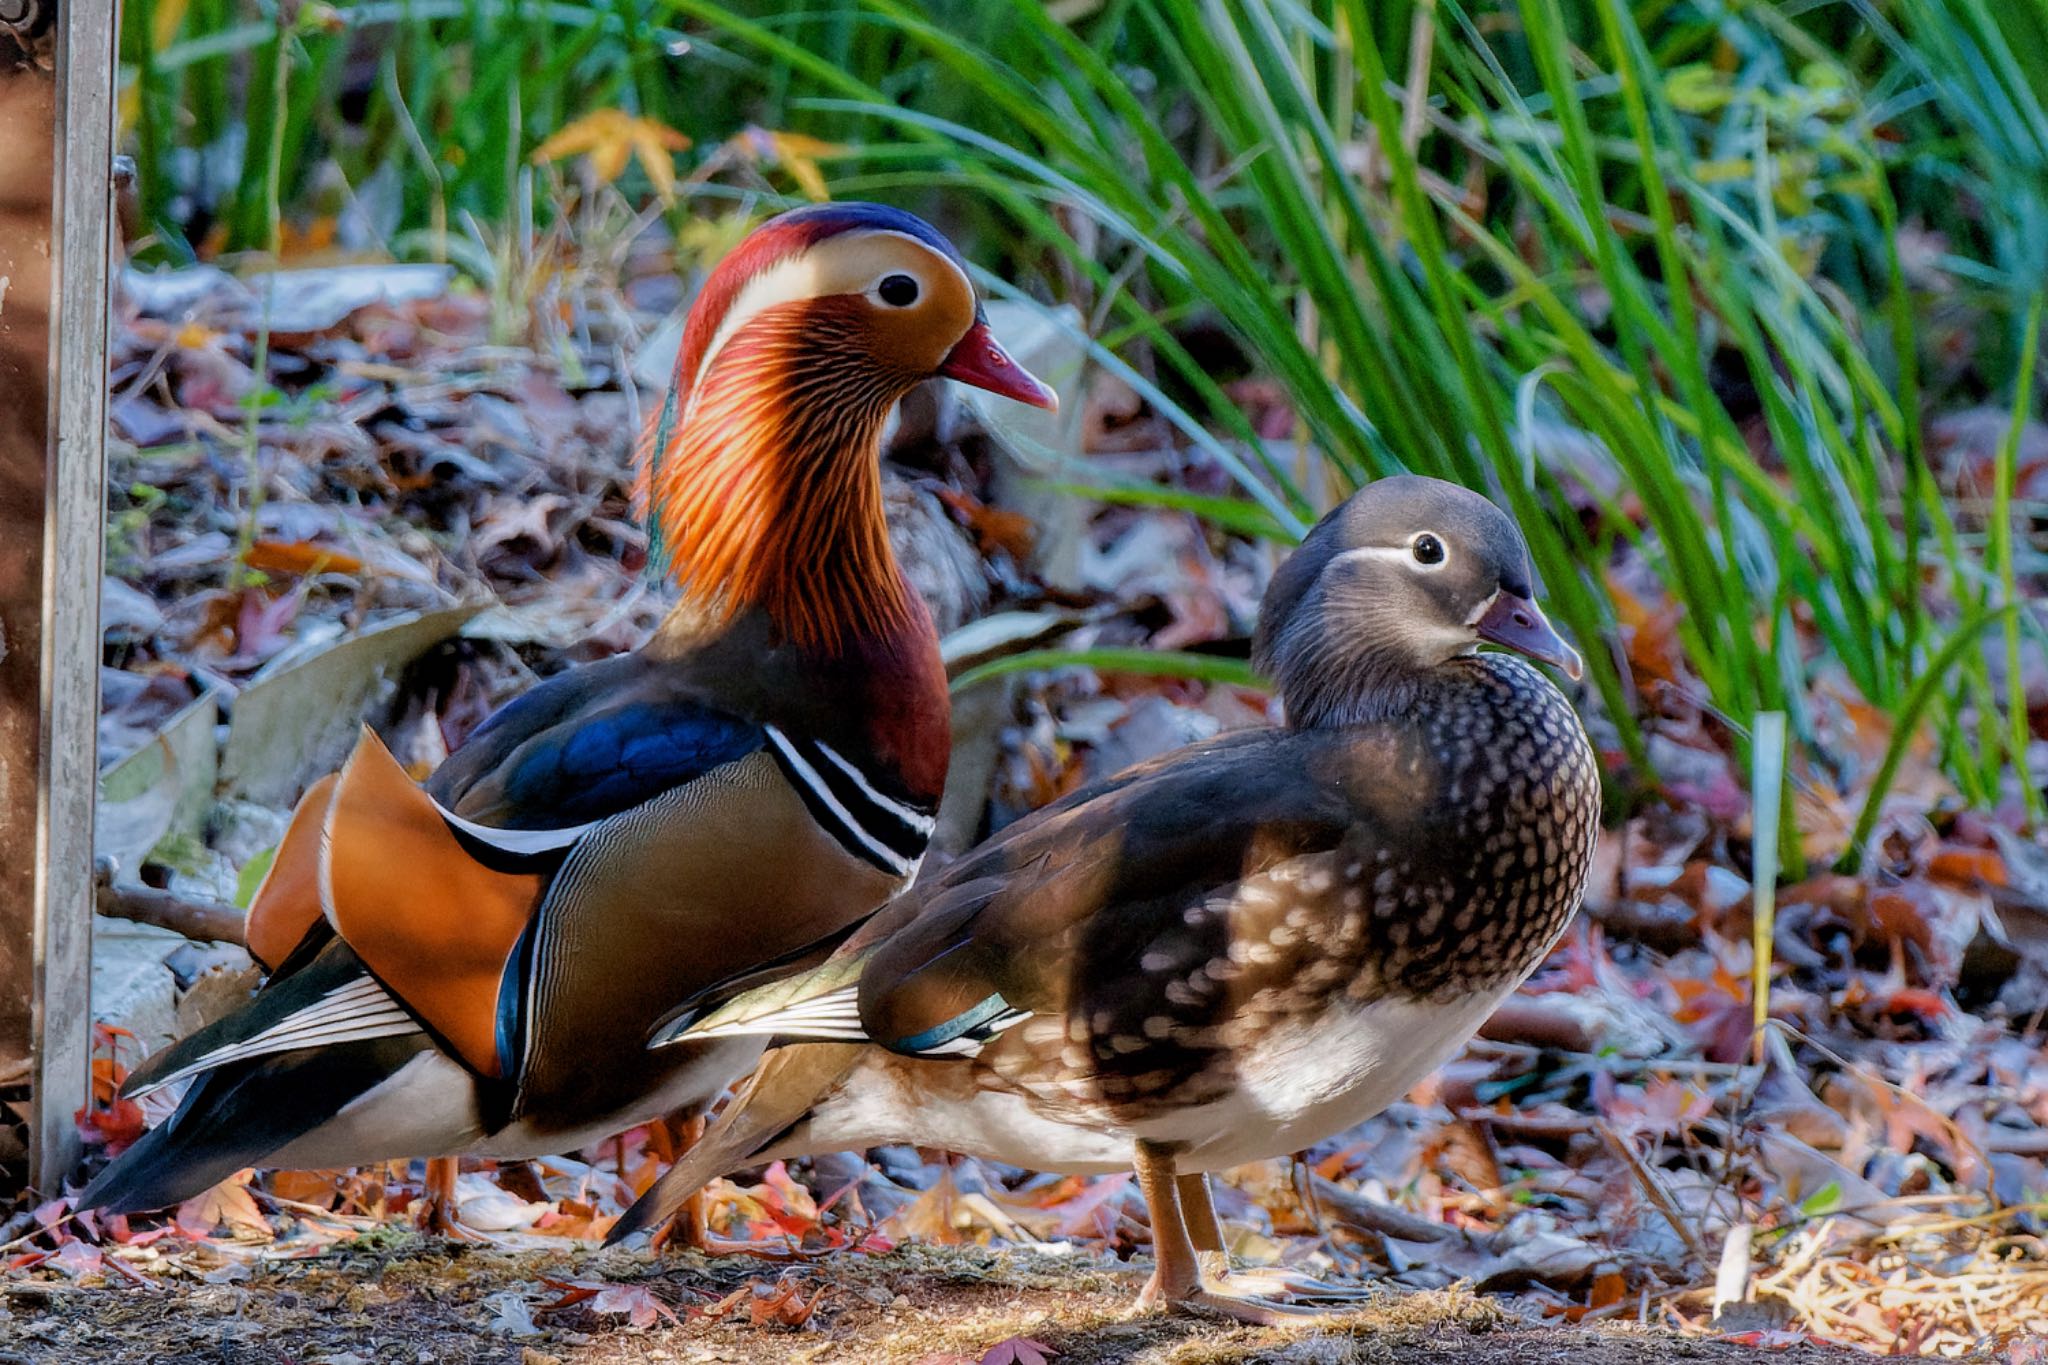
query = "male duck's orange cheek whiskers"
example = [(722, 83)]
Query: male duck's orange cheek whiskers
[(769, 488)]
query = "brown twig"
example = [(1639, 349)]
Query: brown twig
[(207, 921), (1557, 1126), (1664, 928), (1369, 1215), (1653, 1188), (1302, 1175)]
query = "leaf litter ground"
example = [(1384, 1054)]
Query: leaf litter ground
[(421, 503), (427, 1299)]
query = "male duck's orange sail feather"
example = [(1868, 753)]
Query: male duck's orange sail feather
[(287, 904), (435, 925)]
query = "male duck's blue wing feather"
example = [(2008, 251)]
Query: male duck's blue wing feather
[(584, 746), (618, 759)]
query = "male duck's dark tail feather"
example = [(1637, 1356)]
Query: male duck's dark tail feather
[(781, 1093), (238, 1115)]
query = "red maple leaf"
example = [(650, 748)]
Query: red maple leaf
[(114, 1127)]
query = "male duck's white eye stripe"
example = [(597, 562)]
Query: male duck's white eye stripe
[(786, 281), (879, 834), (909, 815), (875, 234), (803, 275)]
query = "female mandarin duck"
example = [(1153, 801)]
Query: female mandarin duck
[(473, 967), (1233, 951)]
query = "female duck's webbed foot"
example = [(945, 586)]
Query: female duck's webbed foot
[(1177, 1282), (1205, 1230)]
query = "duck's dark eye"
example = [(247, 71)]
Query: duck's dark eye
[(1428, 549), (898, 291)]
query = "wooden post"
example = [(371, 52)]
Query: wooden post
[(57, 109)]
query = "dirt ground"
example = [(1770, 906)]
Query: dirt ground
[(421, 1302)]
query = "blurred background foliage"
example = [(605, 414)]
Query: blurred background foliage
[(1680, 281)]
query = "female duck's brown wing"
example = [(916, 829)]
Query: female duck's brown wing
[(1029, 921), (1064, 895), (1062, 904)]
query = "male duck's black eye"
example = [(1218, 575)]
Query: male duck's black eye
[(1428, 549), (898, 291)]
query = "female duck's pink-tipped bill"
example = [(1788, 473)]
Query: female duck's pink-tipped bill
[(980, 360), (1516, 623)]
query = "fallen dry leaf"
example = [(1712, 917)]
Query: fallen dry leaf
[(227, 1205), (299, 557)]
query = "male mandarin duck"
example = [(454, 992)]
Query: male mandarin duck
[(1235, 950), (473, 966)]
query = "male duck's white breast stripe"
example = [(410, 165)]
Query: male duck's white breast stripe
[(886, 832), (889, 832), (916, 819), (521, 841)]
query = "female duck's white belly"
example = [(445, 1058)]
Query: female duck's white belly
[(1303, 1083), (1297, 1086), (889, 1099)]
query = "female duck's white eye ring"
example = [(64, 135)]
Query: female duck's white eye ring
[(898, 291), (1428, 550)]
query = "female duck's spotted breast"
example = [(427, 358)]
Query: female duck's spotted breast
[(1494, 860)]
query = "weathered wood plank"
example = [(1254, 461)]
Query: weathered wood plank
[(57, 103)]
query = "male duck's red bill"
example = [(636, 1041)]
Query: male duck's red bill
[(980, 360)]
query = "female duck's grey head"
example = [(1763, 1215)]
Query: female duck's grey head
[(1406, 576)]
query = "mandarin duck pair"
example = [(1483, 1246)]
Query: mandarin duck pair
[(1225, 954), (1230, 952), (473, 967)]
